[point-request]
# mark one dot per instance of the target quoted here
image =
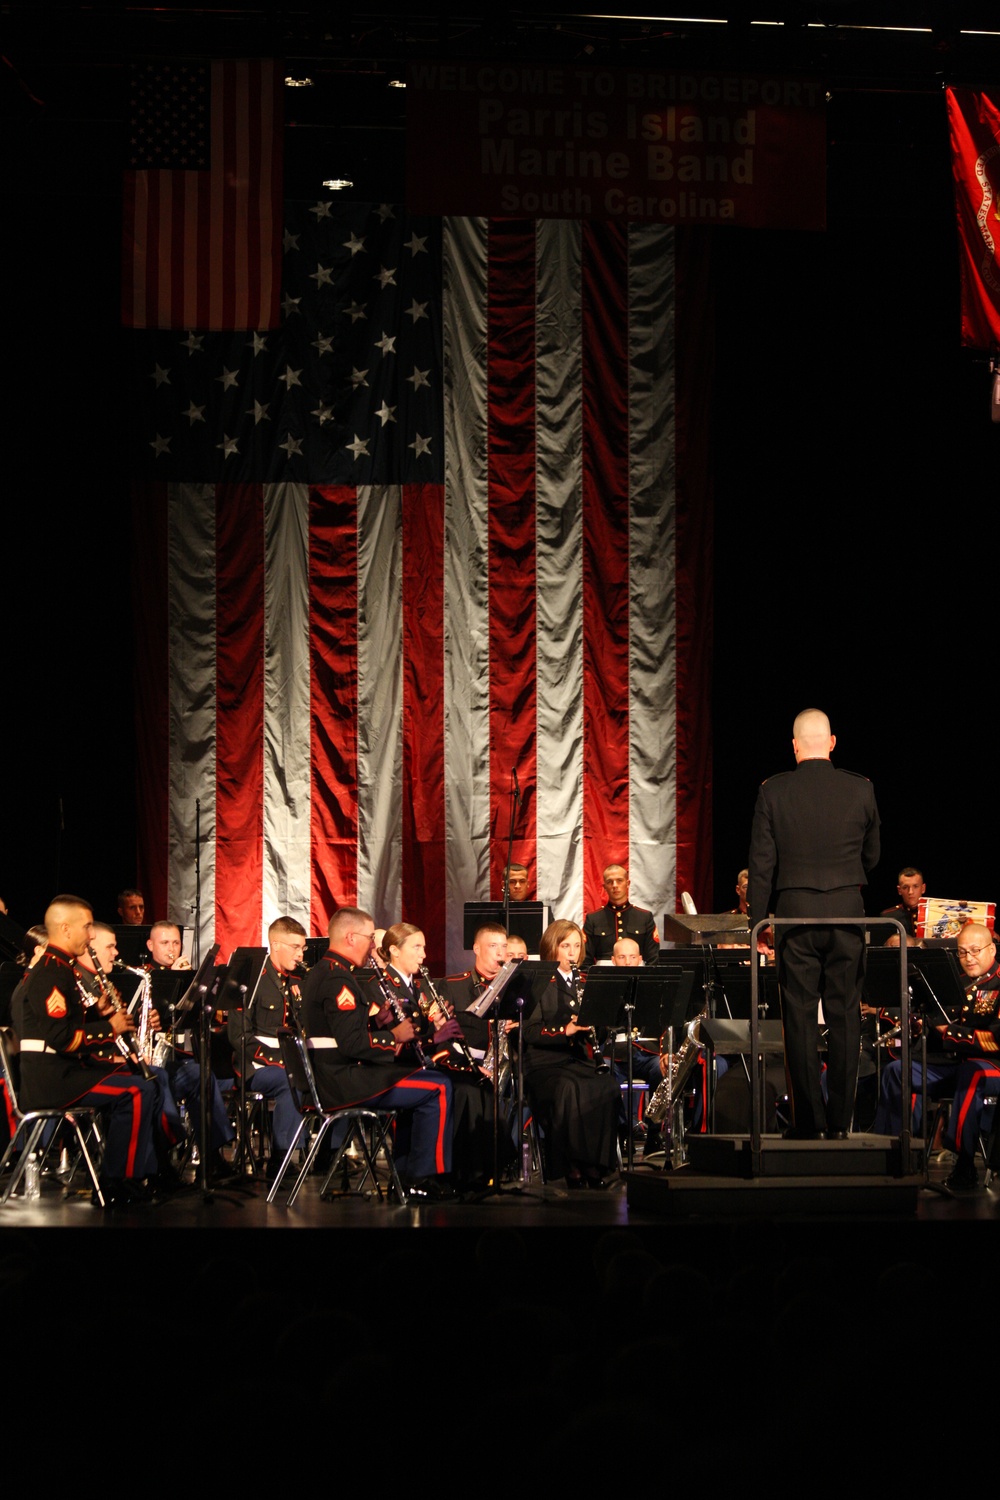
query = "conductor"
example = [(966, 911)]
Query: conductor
[(815, 840)]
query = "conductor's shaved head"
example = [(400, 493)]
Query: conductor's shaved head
[(811, 737)]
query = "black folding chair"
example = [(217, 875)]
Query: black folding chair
[(318, 1118), (31, 1126)]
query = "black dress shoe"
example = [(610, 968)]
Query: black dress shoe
[(429, 1190), (838, 1135), (964, 1179)]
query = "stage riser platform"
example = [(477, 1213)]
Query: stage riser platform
[(859, 1156), (685, 1193)]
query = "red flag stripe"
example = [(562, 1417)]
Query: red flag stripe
[(605, 555), (423, 844), (511, 520), (333, 616), (239, 755)]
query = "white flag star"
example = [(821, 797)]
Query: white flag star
[(356, 311), (160, 445), (259, 344), (421, 446), (354, 244), (386, 413), (161, 376), (228, 378), (228, 445), (292, 446), (387, 343), (193, 342), (291, 241), (418, 378), (323, 344), (194, 413), (384, 212), (358, 447), (358, 377), (290, 377), (323, 276), (321, 210), (323, 414), (386, 277), (260, 413), (416, 245), (416, 310), (290, 304)]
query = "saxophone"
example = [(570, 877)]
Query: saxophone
[(679, 1069)]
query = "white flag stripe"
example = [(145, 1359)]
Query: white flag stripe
[(559, 566), (652, 594), (380, 701), (466, 579), (191, 646), (287, 772)]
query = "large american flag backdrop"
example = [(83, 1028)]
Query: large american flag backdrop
[(447, 521)]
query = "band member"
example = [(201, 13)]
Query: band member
[(577, 1104), (131, 908), (973, 1071), (59, 1041), (183, 1071), (275, 1003), (490, 951), (516, 946), (517, 882), (164, 944), (357, 1063), (404, 950), (910, 887), (618, 919)]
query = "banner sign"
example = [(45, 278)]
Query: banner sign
[(974, 125), (582, 143)]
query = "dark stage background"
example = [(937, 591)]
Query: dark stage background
[(856, 480)]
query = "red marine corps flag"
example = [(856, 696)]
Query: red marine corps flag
[(974, 124)]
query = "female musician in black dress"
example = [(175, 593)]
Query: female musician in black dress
[(576, 1104), (403, 949)]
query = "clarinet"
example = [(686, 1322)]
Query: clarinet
[(124, 1041), (589, 1033), (468, 1064), (392, 1001)]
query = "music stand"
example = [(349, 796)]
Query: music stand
[(203, 995), (246, 970), (315, 948), (527, 920)]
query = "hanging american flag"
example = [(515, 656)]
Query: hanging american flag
[(202, 205), (442, 526)]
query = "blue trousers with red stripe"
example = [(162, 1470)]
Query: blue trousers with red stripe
[(423, 1125), (970, 1081), (132, 1103)]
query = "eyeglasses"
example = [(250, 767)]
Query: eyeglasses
[(973, 952)]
